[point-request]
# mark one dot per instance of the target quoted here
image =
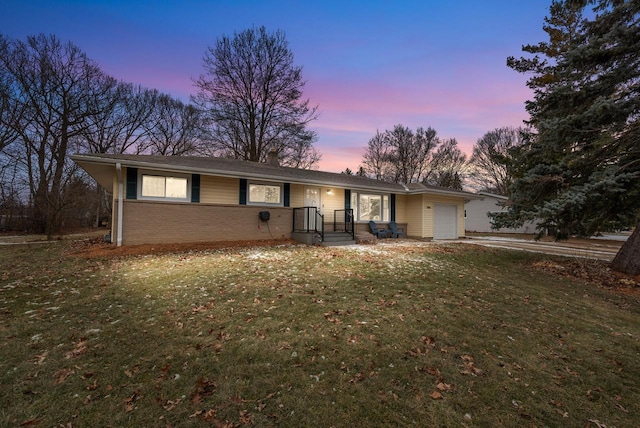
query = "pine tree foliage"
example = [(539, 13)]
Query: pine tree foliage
[(578, 173)]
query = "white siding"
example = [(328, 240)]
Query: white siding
[(477, 216)]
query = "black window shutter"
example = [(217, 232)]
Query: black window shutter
[(287, 194), (392, 208), (243, 191), (132, 183), (195, 187), (347, 199)]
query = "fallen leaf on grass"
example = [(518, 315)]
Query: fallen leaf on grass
[(169, 405), (436, 395), (417, 352), (40, 358), (619, 406), (29, 422), (571, 372), (431, 371), (199, 308), (359, 377), (443, 386), (206, 415), (428, 340), (204, 388), (62, 375), (561, 413), (129, 402), (469, 367), (164, 371), (245, 418), (80, 348), (329, 318)]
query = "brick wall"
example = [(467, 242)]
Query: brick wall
[(148, 222)]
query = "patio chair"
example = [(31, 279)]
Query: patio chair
[(380, 233), (394, 231)]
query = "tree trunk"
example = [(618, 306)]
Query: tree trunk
[(628, 258)]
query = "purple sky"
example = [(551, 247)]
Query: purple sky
[(368, 64)]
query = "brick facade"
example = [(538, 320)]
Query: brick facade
[(148, 222)]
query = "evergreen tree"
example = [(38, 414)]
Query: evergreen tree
[(578, 172)]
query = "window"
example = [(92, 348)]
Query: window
[(164, 187), (370, 206), (265, 194)]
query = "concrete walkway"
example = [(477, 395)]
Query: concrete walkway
[(592, 249)]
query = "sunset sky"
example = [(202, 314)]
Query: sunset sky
[(368, 64)]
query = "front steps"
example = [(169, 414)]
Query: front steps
[(335, 239), (331, 239)]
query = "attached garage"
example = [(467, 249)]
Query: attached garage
[(445, 219)]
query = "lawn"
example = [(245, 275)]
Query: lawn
[(410, 334)]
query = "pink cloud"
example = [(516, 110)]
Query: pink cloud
[(459, 108)]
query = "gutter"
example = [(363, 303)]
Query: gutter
[(225, 173), (120, 202), (273, 178)]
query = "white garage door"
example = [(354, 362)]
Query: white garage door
[(445, 222)]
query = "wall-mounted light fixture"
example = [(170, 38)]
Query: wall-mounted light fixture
[(329, 191)]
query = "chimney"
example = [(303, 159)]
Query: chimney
[(272, 158)]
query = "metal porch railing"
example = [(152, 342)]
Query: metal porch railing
[(343, 221), (307, 220)]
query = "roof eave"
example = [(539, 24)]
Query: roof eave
[(220, 172)]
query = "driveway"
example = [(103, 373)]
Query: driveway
[(583, 248)]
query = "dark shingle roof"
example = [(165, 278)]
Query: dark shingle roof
[(245, 169)]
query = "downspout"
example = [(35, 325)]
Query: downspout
[(120, 202)]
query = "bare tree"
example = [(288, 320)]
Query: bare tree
[(251, 93), (412, 152), (448, 166), (54, 87), (401, 155), (117, 127), (173, 128), (13, 210), (491, 159), (10, 111), (375, 161), (119, 123), (301, 154)]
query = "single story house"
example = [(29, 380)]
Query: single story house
[(181, 199), (477, 214)]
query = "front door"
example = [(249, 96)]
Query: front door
[(311, 199)]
